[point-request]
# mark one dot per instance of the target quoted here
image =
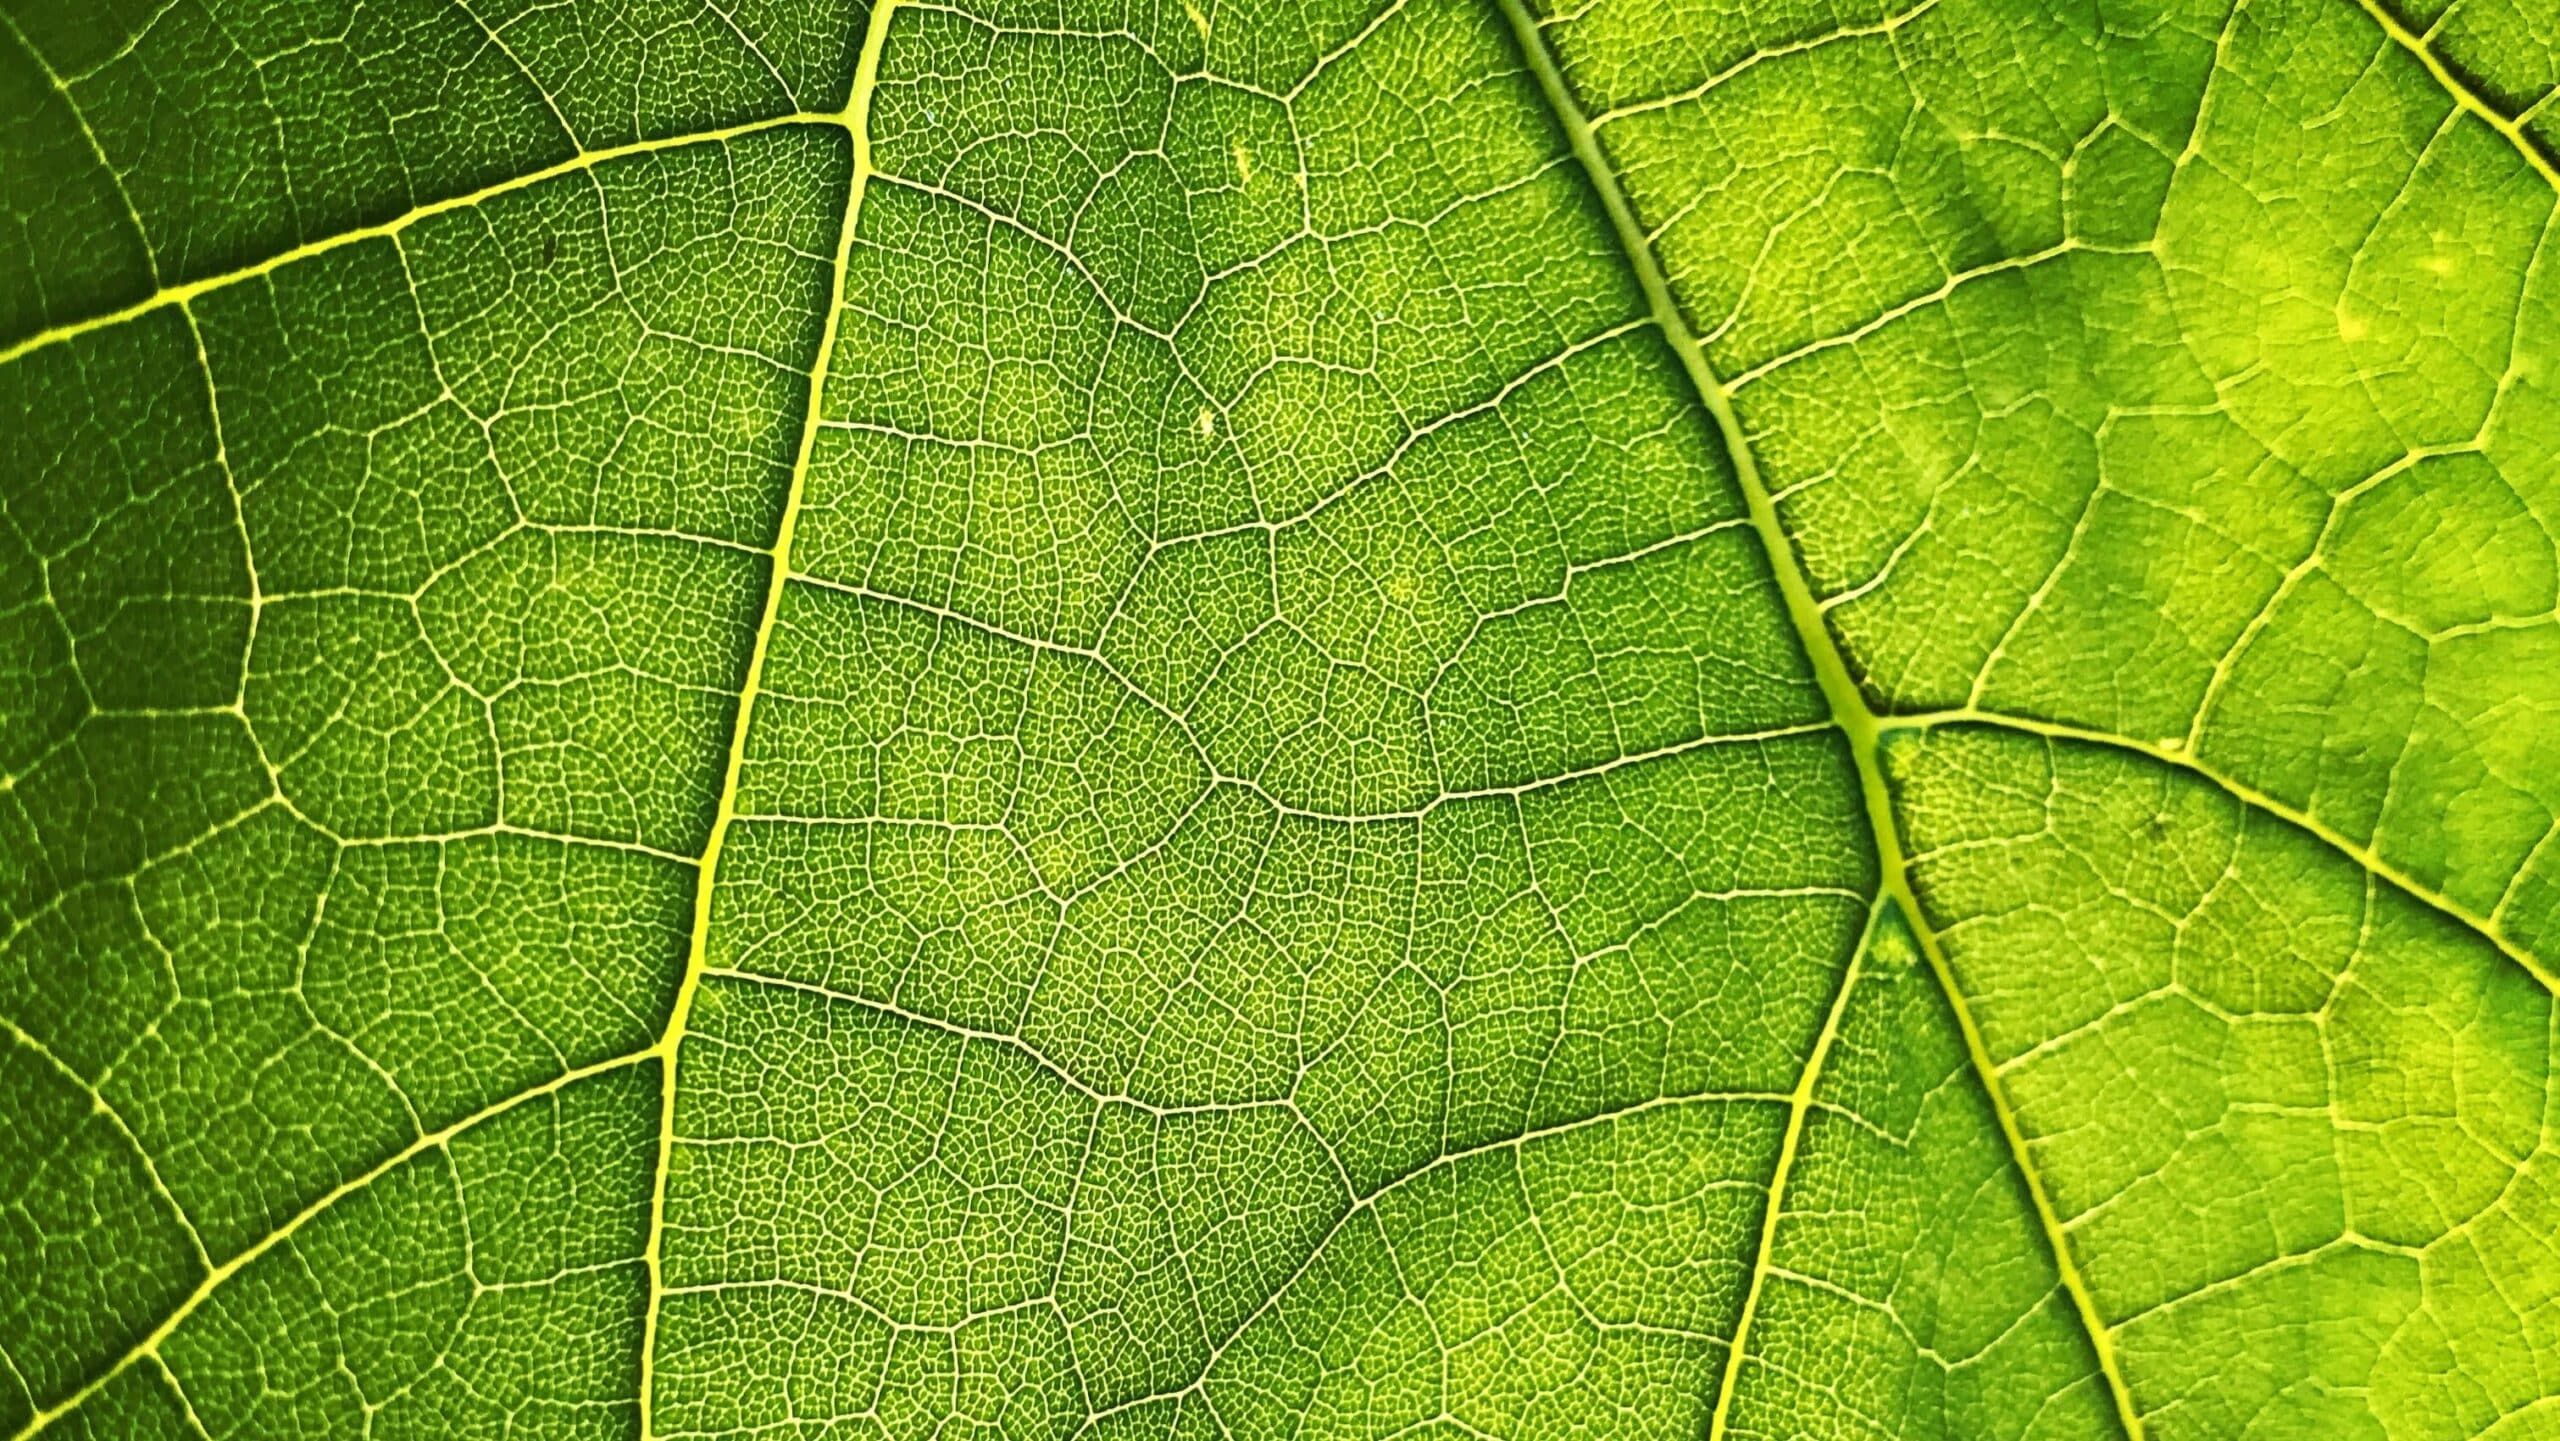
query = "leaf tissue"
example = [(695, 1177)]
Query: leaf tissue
[(1459, 719)]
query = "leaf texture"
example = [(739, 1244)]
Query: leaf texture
[(1055, 718)]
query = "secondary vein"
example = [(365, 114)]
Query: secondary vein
[(1799, 1104), (856, 119), (2364, 853), (184, 291), (215, 1276)]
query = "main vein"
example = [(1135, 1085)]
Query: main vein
[(1849, 709), (857, 120), (2464, 96)]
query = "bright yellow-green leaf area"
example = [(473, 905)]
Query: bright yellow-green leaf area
[(1450, 719)]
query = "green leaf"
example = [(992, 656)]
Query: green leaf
[(1054, 719)]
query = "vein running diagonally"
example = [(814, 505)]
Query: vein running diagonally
[(1799, 1105), (148, 1348), (852, 118), (856, 118), (88, 138), (1849, 709), (185, 291), (2464, 97), (2362, 853)]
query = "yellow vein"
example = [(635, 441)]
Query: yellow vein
[(149, 1345), (1798, 1105), (499, 43), (2464, 97), (1756, 59), (100, 1106), (1849, 709), (2362, 853), (185, 291), (857, 120), (89, 137)]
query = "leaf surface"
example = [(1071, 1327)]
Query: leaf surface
[(1332, 720)]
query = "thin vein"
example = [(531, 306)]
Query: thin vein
[(89, 138)]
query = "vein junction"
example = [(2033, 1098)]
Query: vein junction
[(1390, 876)]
